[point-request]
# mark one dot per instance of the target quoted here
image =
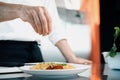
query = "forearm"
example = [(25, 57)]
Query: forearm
[(9, 11), (69, 54), (66, 50)]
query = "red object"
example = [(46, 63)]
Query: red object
[(55, 67), (92, 9)]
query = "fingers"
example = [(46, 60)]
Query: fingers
[(83, 61), (29, 14), (42, 20), (86, 62), (36, 22), (39, 18), (49, 20)]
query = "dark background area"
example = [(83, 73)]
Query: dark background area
[(109, 18)]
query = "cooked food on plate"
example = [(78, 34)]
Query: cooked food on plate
[(51, 66)]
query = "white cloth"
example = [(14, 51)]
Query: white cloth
[(19, 30)]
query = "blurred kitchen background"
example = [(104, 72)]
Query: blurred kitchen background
[(78, 32), (89, 25)]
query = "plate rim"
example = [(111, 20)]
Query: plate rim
[(74, 64), (59, 71)]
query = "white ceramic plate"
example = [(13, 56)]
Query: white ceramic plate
[(63, 72)]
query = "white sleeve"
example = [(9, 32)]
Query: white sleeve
[(58, 29)]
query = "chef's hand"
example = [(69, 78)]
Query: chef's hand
[(37, 16)]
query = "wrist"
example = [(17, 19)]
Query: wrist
[(10, 11), (71, 59)]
